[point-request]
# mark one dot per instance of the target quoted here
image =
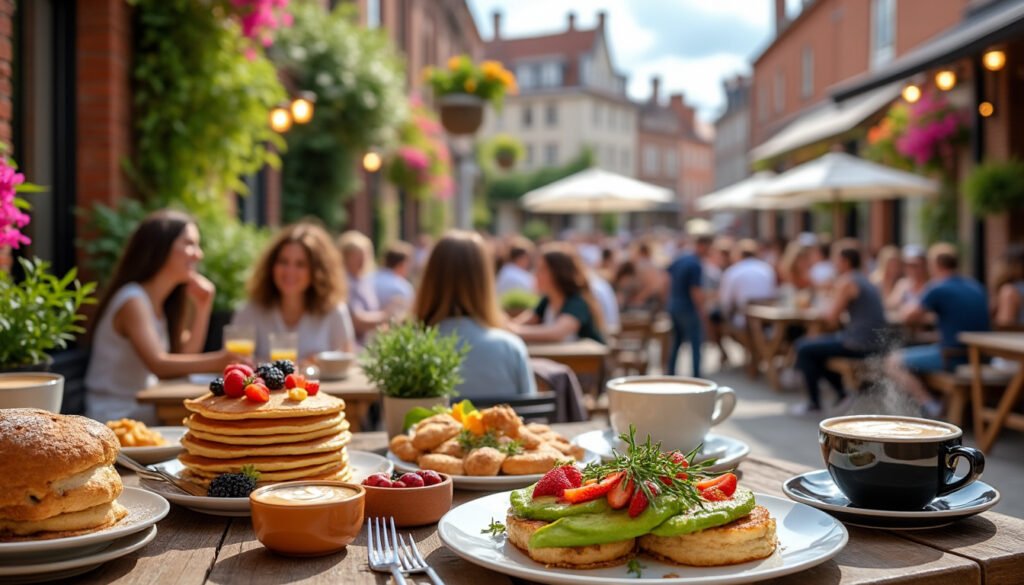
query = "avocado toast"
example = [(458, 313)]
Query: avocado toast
[(643, 501)]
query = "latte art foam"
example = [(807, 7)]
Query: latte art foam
[(889, 429), (306, 494)]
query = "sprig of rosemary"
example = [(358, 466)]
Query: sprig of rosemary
[(469, 441), (495, 528), (645, 463)]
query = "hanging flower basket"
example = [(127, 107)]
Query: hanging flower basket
[(461, 113), (505, 159)]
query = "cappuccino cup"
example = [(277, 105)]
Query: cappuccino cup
[(674, 410), (32, 390), (895, 462)]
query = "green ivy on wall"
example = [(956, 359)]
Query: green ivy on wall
[(359, 82)]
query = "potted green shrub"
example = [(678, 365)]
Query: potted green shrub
[(996, 187), (414, 366), (462, 89)]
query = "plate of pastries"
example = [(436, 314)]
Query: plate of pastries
[(147, 444)]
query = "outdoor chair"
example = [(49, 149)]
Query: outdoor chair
[(541, 407)]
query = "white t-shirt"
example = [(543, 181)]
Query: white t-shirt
[(511, 277), (116, 372), (822, 273), (392, 289), (316, 333), (747, 280), (605, 296)]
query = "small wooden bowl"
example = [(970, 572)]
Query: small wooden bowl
[(411, 506)]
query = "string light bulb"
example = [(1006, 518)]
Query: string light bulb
[(280, 120), (371, 162), (986, 109), (945, 80), (994, 60), (302, 107), (911, 93)]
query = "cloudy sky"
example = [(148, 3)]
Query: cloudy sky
[(692, 44)]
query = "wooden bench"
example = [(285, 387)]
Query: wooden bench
[(955, 387), (854, 371)]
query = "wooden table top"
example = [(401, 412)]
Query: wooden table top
[(780, 313), (1002, 341), (195, 548), (355, 386), (580, 348)]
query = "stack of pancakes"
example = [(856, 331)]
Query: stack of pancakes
[(57, 475), (283, 439)]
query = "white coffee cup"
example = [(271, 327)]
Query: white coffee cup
[(334, 364), (31, 390), (675, 410)]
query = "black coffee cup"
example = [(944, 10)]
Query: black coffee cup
[(895, 462)]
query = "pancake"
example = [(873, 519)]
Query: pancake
[(279, 406), (215, 450), (746, 539), (593, 556), (259, 427), (262, 464), (92, 487), (40, 448), (61, 525), (323, 471), (269, 439)]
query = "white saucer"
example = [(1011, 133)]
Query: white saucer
[(147, 455), (144, 510), (727, 450), (50, 570), (363, 463)]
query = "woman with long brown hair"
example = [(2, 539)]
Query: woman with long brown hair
[(457, 294), (142, 329), (567, 310), (297, 286)]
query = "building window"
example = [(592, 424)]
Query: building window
[(372, 13), (671, 163), (627, 164), (551, 74), (650, 160), (527, 116), (780, 92), (597, 115), (529, 155), (551, 114), (524, 76), (551, 154), (807, 73), (883, 31)]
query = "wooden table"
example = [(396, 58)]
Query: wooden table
[(769, 347), (989, 421), (192, 548), (586, 357), (168, 397)]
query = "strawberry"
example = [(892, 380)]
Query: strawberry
[(312, 387), (619, 497), (638, 503), (679, 459), (714, 494), (594, 490), (257, 393), (725, 483), (246, 370), (234, 384), (295, 381), (556, 481)]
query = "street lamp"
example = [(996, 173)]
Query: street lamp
[(280, 119), (945, 80), (994, 60), (372, 162), (302, 107), (911, 93)]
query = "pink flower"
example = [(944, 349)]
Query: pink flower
[(12, 219), (414, 158)]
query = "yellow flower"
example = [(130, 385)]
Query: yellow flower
[(427, 73), (509, 81), (492, 69), (455, 62), (470, 85)]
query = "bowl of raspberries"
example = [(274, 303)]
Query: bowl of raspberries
[(414, 498)]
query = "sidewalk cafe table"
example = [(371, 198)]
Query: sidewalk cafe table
[(989, 421), (193, 548), (769, 346), (586, 357), (168, 395)]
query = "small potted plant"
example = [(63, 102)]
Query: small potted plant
[(507, 151), (462, 89), (996, 187), (414, 366)]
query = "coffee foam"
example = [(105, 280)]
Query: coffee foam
[(661, 387), (870, 428)]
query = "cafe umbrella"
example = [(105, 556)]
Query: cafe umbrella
[(745, 194), (593, 191)]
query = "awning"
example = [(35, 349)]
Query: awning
[(825, 121), (992, 24)]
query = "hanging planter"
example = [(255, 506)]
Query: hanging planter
[(461, 113)]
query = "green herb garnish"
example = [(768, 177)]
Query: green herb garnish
[(469, 441), (250, 471), (635, 568), (495, 528)]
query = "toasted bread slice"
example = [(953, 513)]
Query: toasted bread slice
[(746, 539), (593, 556)]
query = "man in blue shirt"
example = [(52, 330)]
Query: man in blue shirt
[(960, 304), (686, 302)]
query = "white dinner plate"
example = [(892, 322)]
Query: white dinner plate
[(488, 483), (147, 455), (36, 572), (727, 451), (144, 510), (807, 537), (363, 465)]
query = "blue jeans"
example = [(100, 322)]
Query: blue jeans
[(686, 326), (811, 355), (925, 359)]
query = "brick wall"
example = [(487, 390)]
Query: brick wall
[(6, 58)]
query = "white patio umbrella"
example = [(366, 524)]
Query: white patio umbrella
[(838, 177), (745, 195), (596, 191)]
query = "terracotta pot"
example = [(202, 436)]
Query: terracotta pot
[(461, 113), (395, 409), (505, 160)]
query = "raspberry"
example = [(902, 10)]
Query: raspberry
[(234, 384), (257, 393), (430, 477), (376, 479), (312, 387), (398, 484), (294, 381), (286, 366), (217, 386), (412, 480)]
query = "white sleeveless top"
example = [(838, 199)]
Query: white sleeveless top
[(116, 372)]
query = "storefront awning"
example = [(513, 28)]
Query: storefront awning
[(825, 121), (992, 24)]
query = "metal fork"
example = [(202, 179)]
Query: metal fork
[(383, 556), (157, 475), (412, 561)]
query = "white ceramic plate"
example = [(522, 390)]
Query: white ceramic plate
[(144, 510), (807, 537), (727, 450), (363, 465), (49, 570), (148, 455), (487, 483)]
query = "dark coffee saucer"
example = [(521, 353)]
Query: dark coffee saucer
[(816, 489)]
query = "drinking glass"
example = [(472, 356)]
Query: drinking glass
[(240, 339), (284, 346)]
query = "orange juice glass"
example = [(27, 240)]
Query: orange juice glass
[(284, 346), (240, 340)]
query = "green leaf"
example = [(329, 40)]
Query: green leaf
[(415, 415)]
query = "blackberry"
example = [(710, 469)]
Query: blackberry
[(234, 485), (286, 366), (217, 386), (273, 378), (262, 370)]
